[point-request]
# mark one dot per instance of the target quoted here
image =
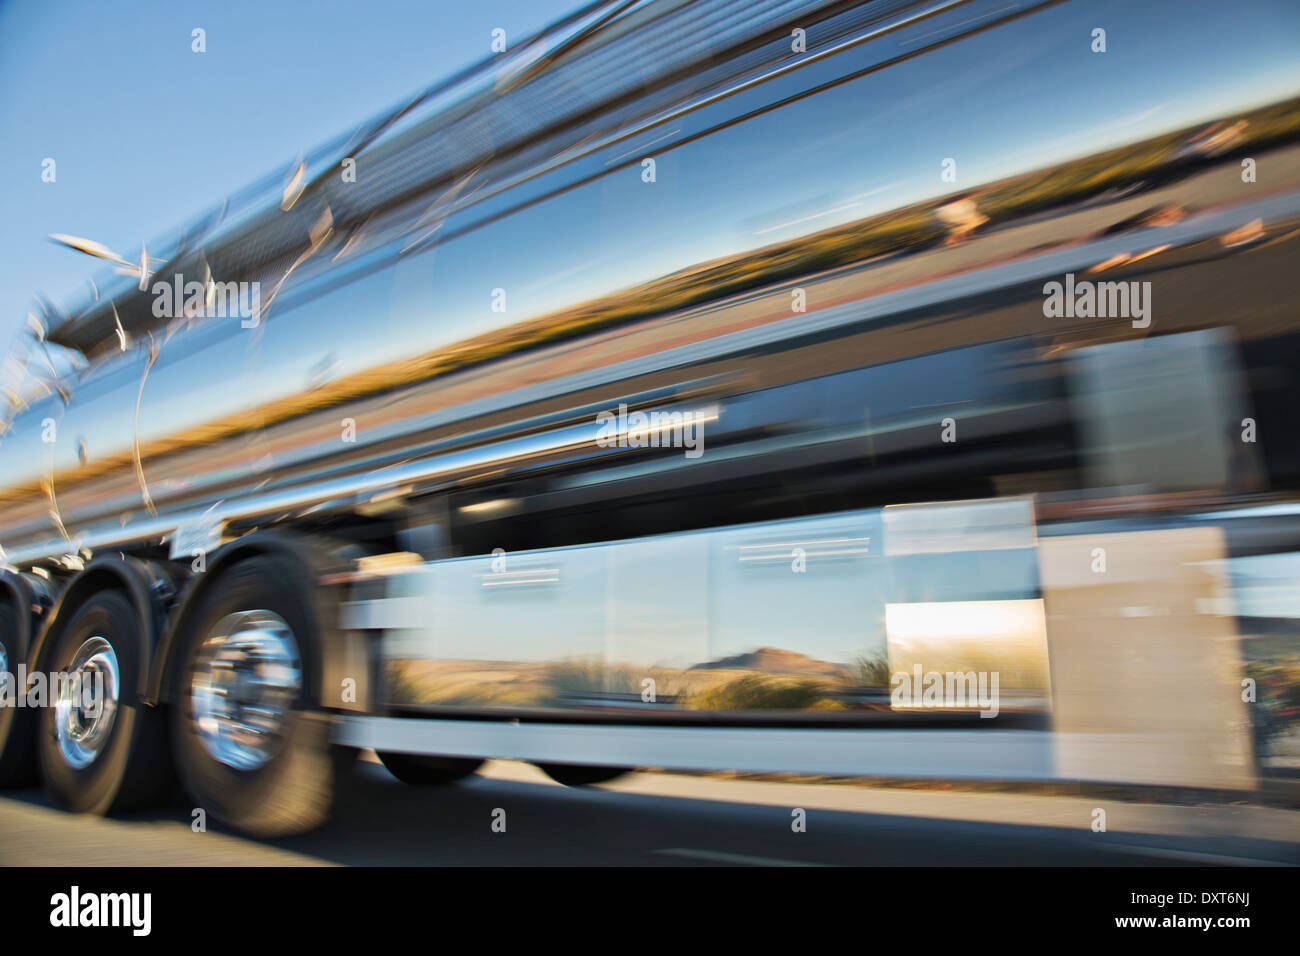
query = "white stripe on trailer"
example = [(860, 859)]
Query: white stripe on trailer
[(969, 754)]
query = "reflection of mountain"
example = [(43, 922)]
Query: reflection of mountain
[(773, 660), (766, 679)]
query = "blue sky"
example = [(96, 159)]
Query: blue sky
[(147, 134)]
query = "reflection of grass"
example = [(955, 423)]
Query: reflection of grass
[(580, 676), (1276, 710), (871, 671), (589, 675), (757, 692), (406, 686), (482, 695), (403, 686)]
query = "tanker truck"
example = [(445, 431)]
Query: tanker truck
[(832, 387)]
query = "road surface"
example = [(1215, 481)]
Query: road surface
[(650, 819)]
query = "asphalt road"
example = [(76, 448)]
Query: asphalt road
[(654, 819)]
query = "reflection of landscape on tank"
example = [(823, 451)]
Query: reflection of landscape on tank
[(679, 612)]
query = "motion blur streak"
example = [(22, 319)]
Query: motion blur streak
[(983, 318)]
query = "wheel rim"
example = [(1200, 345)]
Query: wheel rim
[(4, 669), (86, 710), (246, 678)]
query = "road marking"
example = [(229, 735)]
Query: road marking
[(1193, 856), (715, 856)]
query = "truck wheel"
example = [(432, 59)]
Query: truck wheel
[(579, 775), (422, 771), (17, 724), (101, 749), (248, 749)]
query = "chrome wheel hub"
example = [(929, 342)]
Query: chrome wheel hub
[(86, 705), (246, 678)]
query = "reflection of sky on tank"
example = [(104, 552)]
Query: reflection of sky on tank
[(720, 195), (1022, 97), (127, 110)]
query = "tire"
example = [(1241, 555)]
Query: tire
[(123, 764), (292, 789), (422, 771), (18, 767), (579, 775)]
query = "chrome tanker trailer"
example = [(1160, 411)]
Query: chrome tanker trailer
[(863, 388)]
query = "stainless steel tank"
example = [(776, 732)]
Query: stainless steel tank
[(641, 201)]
